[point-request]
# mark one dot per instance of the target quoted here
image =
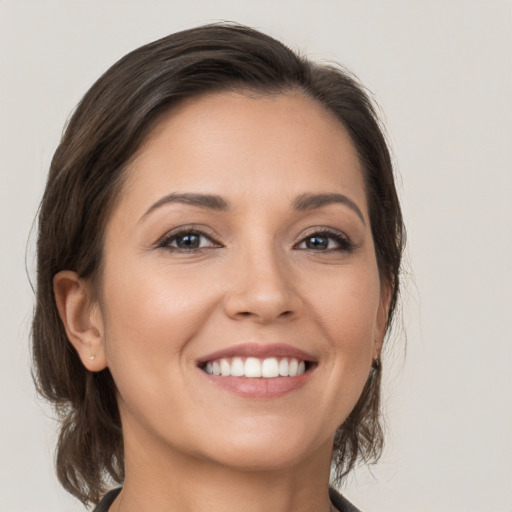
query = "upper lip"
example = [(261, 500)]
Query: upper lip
[(259, 351)]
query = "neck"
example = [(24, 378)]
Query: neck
[(166, 481)]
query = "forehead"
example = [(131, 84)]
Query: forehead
[(246, 147)]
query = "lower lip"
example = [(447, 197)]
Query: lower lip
[(260, 387)]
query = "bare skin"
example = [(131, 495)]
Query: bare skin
[(242, 226)]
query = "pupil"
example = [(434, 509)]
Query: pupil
[(188, 241), (317, 242)]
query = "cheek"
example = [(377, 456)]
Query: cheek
[(346, 310), (150, 319), (151, 316), (347, 304)]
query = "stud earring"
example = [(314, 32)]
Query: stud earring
[(376, 363), (92, 358)]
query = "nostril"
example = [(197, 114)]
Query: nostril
[(261, 305)]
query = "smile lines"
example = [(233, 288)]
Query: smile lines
[(252, 367)]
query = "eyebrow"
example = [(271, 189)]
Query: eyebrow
[(209, 201), (313, 201), (215, 202)]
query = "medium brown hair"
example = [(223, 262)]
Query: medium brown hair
[(85, 178)]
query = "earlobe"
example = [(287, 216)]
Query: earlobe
[(81, 319)]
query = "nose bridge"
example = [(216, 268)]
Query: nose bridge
[(261, 283)]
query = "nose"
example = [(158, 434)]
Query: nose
[(262, 289)]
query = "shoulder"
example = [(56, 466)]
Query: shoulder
[(341, 503)]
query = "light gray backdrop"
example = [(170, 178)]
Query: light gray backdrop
[(442, 73)]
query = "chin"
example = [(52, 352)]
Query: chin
[(253, 458), (268, 448)]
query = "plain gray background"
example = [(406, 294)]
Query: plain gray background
[(442, 73)]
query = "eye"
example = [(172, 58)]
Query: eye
[(187, 241), (326, 241)]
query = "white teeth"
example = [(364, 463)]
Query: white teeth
[(237, 367), (252, 367), (225, 369), (283, 367), (268, 368)]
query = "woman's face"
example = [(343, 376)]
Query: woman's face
[(241, 242)]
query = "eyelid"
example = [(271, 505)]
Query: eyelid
[(165, 240), (342, 239)]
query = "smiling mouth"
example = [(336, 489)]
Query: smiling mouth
[(254, 368)]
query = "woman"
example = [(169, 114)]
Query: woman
[(218, 264)]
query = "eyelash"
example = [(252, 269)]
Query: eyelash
[(169, 238), (344, 244), (343, 241)]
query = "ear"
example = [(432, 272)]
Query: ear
[(386, 292), (81, 318)]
